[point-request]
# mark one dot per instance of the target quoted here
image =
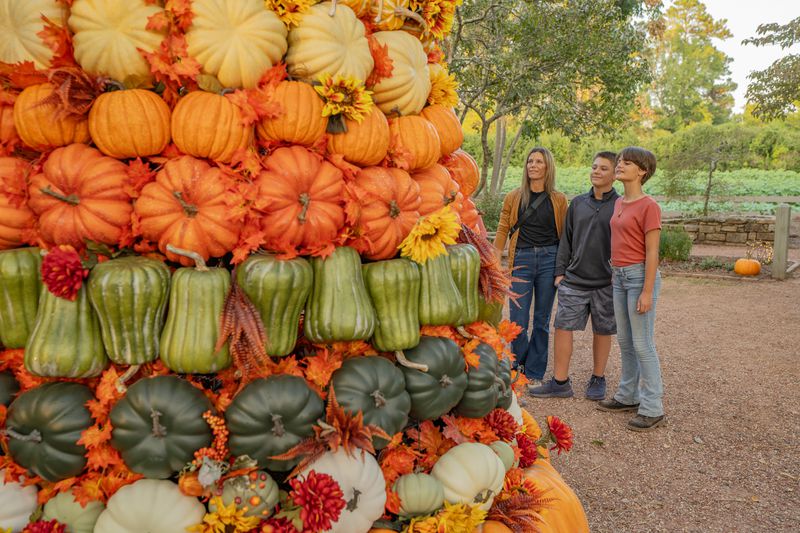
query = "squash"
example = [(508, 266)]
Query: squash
[(471, 217), (129, 296), (470, 473), (362, 143), (420, 494), (747, 267), (43, 427), (108, 35), (301, 121), (339, 308), (464, 170), (503, 384), (491, 312), (515, 410), (438, 389), (278, 289), (494, 526), (235, 40), (440, 302), (20, 285), (406, 91), (506, 454), (196, 299), (270, 416), (324, 44), (158, 425), (37, 125), (20, 24), (465, 262), (78, 518), (447, 125), (388, 15), (8, 388), (376, 388), (19, 503), (437, 189), (566, 512), (393, 287), (480, 397), (65, 341), (418, 137), (151, 505), (8, 132), (256, 493), (16, 218), (129, 123)]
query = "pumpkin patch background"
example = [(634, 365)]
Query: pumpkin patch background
[(227, 303)]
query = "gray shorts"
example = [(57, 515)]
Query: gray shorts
[(575, 306)]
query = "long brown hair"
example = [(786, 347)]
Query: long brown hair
[(549, 175)]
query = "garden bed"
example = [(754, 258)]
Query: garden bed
[(709, 267)]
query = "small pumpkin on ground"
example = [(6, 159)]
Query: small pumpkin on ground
[(565, 513), (747, 267)]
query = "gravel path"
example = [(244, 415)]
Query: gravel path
[(729, 457)]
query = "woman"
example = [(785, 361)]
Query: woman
[(531, 221)]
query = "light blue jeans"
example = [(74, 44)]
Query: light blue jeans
[(640, 379)]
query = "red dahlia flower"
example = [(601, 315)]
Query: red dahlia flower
[(320, 500), (63, 272), (560, 434)]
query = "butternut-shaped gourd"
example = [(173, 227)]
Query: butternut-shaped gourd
[(20, 285)]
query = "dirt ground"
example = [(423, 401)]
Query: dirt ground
[(728, 459)]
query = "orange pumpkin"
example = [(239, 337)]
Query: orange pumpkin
[(471, 217), (132, 123), (36, 123), (389, 209), (747, 267), (447, 125), (493, 526), (464, 170), (81, 195), (16, 219), (565, 512), (416, 136), (437, 189), (185, 207), (209, 125), (8, 132), (301, 121), (301, 197), (364, 144)]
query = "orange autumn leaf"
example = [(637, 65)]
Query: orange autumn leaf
[(139, 174), (102, 457), (157, 22), (21, 75), (88, 490), (396, 462), (287, 365), (58, 39), (430, 442), (471, 358), (508, 330), (181, 11), (440, 331), (320, 367), (94, 437), (384, 66)]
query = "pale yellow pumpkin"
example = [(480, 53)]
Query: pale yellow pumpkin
[(406, 91), (391, 14), (236, 40), (20, 21), (359, 7), (322, 43), (109, 34)]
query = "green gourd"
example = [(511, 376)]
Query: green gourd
[(393, 286), (465, 263), (491, 312), (20, 285), (503, 384), (440, 302), (8, 387), (480, 397)]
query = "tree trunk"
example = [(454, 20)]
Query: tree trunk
[(487, 153), (712, 167), (509, 155), (499, 149)]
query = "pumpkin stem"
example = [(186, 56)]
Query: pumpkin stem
[(380, 13), (305, 201), (413, 15), (34, 436), (332, 12), (71, 199), (190, 210), (502, 384), (278, 428), (445, 381), (380, 399), (199, 262), (159, 431), (464, 333), (394, 210), (450, 198), (120, 384), (336, 124), (115, 85), (401, 358), (352, 505), (483, 496)]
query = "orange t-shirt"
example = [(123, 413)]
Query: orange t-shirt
[(630, 222)]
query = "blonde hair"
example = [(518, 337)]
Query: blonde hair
[(549, 175)]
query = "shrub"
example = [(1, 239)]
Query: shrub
[(711, 263), (490, 206), (675, 244)]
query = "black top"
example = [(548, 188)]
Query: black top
[(540, 228), (585, 248)]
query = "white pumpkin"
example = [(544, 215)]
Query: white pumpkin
[(16, 504), (67, 511), (336, 45), (506, 454), (236, 40), (20, 21), (515, 410), (406, 90), (108, 34), (151, 506), (362, 484), (471, 473)]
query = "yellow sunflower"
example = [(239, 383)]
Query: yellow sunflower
[(289, 11), (443, 87), (430, 234), (460, 518), (345, 96), (225, 519)]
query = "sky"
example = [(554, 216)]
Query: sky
[(744, 16)]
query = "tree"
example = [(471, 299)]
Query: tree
[(775, 91)]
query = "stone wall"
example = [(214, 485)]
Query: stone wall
[(732, 230)]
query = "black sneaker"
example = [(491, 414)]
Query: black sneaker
[(551, 389), (645, 423), (611, 405), (596, 389)]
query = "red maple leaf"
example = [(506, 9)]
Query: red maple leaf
[(384, 66), (58, 39)]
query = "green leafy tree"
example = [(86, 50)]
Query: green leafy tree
[(775, 91)]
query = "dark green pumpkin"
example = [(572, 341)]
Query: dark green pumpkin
[(503, 383), (270, 416), (8, 387), (435, 392), (490, 312), (440, 302), (129, 296), (339, 308), (394, 289), (66, 340), (465, 263), (44, 425), (158, 425), (20, 285), (376, 388), (279, 290), (480, 397)]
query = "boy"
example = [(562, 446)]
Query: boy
[(583, 278)]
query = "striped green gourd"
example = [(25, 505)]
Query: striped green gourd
[(129, 295), (465, 263), (20, 284), (279, 290), (393, 286), (440, 302), (491, 312), (339, 308), (196, 299)]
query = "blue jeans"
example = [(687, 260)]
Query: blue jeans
[(535, 270), (640, 379)]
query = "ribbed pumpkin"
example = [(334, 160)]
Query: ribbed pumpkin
[(8, 132), (365, 143), (471, 217), (464, 170), (418, 137), (81, 195), (20, 23), (335, 45), (78, 518), (8, 388), (389, 15), (16, 218), (235, 40), (36, 123), (482, 391), (185, 206), (420, 494), (566, 512), (436, 189), (447, 125), (359, 7), (209, 125), (132, 123), (389, 209), (406, 91), (471, 473), (19, 502), (747, 267), (20, 286), (439, 388), (301, 121), (301, 197)]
